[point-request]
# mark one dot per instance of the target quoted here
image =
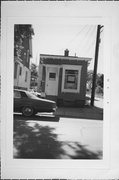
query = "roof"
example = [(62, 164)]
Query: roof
[(46, 56)]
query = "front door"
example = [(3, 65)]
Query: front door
[(52, 81)]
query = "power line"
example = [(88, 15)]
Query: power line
[(83, 28), (91, 47), (84, 37), (86, 40), (73, 39)]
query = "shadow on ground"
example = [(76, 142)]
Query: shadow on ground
[(41, 142)]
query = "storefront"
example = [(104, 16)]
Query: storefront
[(63, 78)]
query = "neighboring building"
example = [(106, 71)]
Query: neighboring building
[(63, 78), (22, 54)]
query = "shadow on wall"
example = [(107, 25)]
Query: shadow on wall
[(41, 142)]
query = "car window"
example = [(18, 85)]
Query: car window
[(23, 95), (17, 94)]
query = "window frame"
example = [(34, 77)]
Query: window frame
[(71, 67)]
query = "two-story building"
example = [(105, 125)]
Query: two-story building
[(63, 78), (22, 54)]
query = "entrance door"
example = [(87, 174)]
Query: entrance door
[(52, 81)]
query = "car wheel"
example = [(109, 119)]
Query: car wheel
[(27, 111)]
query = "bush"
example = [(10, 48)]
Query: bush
[(99, 90)]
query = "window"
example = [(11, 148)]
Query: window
[(26, 76), (27, 55), (17, 94), (23, 95), (71, 79), (20, 71), (15, 70), (52, 76)]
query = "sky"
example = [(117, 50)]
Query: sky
[(78, 39)]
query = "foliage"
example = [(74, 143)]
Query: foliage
[(34, 71), (34, 74), (100, 78), (99, 81), (21, 32)]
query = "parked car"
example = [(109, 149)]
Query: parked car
[(29, 104)]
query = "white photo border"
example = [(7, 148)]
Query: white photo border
[(20, 168)]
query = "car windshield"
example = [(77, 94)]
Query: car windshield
[(31, 96)]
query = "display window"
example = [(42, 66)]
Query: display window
[(71, 79)]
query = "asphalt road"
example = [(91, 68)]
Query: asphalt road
[(51, 137)]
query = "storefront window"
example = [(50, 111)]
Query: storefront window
[(71, 79)]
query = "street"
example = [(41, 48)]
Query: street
[(47, 136)]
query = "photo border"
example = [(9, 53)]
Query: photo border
[(14, 168)]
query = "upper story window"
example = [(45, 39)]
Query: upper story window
[(20, 71), (27, 55), (26, 75), (15, 70)]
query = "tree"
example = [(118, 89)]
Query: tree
[(34, 75), (21, 32), (99, 81), (89, 80)]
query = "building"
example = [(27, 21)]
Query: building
[(22, 54), (63, 78)]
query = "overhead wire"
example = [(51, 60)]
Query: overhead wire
[(84, 37), (91, 43), (82, 29), (87, 37), (86, 40), (68, 45)]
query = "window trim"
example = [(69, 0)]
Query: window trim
[(70, 67)]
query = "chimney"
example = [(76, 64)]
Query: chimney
[(66, 53)]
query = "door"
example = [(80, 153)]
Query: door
[(52, 74)]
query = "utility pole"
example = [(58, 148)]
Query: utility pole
[(95, 64)]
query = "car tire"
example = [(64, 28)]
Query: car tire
[(27, 111)]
